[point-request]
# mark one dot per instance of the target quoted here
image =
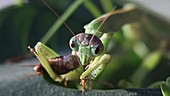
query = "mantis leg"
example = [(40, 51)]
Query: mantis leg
[(96, 67), (48, 52), (43, 54)]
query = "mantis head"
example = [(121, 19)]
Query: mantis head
[(87, 47)]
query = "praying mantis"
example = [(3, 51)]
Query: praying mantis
[(89, 50)]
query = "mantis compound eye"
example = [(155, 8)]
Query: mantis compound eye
[(74, 44), (97, 50)]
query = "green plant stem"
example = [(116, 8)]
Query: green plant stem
[(107, 5), (60, 21), (92, 8)]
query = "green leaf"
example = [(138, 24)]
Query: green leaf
[(165, 87), (14, 81)]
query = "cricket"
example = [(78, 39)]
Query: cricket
[(89, 55)]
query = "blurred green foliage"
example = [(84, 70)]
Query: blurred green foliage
[(140, 51)]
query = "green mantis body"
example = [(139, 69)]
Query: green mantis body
[(90, 48)]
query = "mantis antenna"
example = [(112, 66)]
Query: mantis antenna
[(100, 27), (58, 16), (101, 24)]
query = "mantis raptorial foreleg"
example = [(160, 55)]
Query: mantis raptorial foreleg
[(44, 53), (94, 70), (43, 49), (103, 61)]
